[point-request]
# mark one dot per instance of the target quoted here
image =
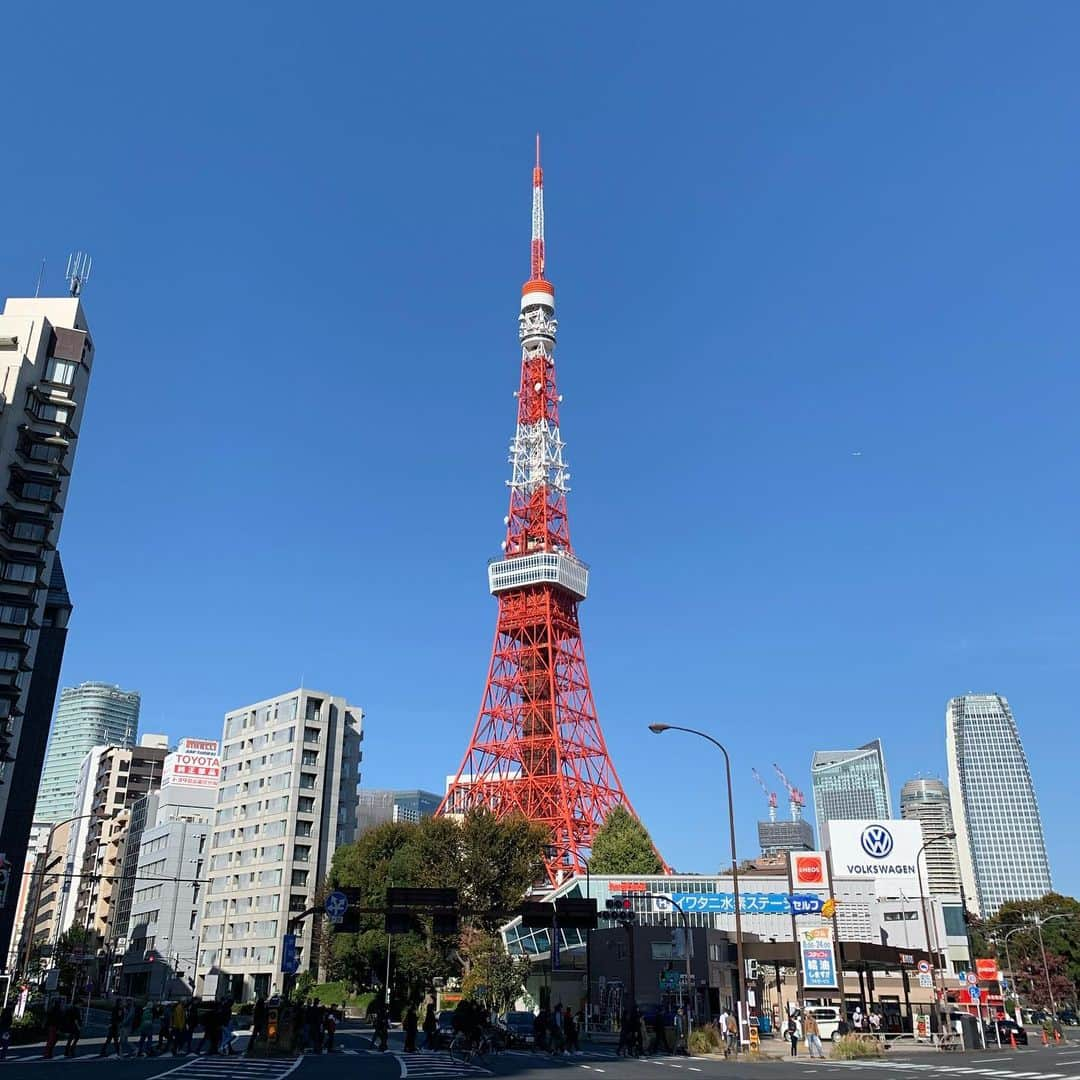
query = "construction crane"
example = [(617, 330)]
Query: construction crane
[(770, 794), (796, 799)]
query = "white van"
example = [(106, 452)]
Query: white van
[(828, 1019)]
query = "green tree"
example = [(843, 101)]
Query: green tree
[(622, 846), (494, 977), (490, 861), (73, 948)]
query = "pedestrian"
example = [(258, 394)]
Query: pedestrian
[(680, 1032), (161, 1021), (856, 1019), (7, 1018), (659, 1034), (558, 1041), (731, 1044), (409, 1026), (431, 1026), (73, 1027), (330, 1026), (626, 1036), (54, 1017), (570, 1031), (177, 1024), (382, 1026), (875, 1022), (793, 1033), (127, 1027), (258, 1023), (112, 1036), (146, 1031), (641, 1033), (191, 1021), (813, 1035)]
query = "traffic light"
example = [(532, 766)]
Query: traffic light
[(401, 922), (619, 907), (444, 924), (536, 914), (575, 913)]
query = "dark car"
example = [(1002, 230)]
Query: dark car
[(444, 1033), (519, 1028), (1067, 1016), (1008, 1029)]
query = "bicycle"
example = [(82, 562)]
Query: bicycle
[(468, 1050)]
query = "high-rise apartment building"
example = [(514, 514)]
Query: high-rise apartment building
[(46, 357), (110, 787), (926, 800), (290, 769), (376, 806), (89, 715), (999, 831), (850, 784)]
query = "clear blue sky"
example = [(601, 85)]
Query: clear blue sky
[(780, 234)]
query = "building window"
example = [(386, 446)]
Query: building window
[(299, 878), (311, 757), (9, 659), (305, 805), (45, 410), (61, 372), (30, 530), (11, 615), (307, 781), (17, 571)]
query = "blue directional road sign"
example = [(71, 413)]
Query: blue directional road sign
[(289, 963), (974, 992), (337, 903)]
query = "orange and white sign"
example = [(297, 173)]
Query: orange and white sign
[(194, 763), (808, 870), (987, 970)]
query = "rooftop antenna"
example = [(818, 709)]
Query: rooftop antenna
[(78, 271), (41, 274)]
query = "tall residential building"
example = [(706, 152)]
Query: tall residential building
[(926, 800), (118, 778), (290, 769), (850, 784), (161, 926), (89, 715), (375, 806), (45, 361), (999, 831)]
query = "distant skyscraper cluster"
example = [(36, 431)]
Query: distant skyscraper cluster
[(998, 853)]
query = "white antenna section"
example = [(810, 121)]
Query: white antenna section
[(78, 271), (41, 274)]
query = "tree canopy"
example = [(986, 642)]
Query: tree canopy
[(490, 861), (1022, 958), (622, 846)]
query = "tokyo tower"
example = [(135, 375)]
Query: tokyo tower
[(537, 747)]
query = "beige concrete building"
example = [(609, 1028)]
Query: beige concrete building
[(290, 769), (46, 356), (113, 779)]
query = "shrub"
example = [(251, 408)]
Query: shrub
[(704, 1040), (855, 1047)]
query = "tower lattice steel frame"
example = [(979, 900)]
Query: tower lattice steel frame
[(537, 747)]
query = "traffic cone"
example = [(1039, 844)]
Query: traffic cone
[(1057, 1035), (1046, 1041), (1012, 1039)]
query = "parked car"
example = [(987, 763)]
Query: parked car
[(1008, 1029), (1067, 1016), (828, 1019), (444, 1033), (519, 1028)]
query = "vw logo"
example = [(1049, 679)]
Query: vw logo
[(876, 841)]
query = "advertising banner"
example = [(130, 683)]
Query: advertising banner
[(754, 903), (809, 870), (194, 763), (881, 851), (818, 959)]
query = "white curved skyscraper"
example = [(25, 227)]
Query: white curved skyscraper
[(999, 834), (926, 800)]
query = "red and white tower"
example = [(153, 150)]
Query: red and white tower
[(537, 747)]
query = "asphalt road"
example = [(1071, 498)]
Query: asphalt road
[(354, 1057)]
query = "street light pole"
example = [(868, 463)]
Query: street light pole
[(939, 990), (657, 729), (1012, 975), (1039, 920)]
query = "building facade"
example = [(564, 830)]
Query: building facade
[(46, 357), (375, 806), (777, 837), (123, 775), (89, 715), (290, 769), (926, 800), (850, 784), (999, 830)]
